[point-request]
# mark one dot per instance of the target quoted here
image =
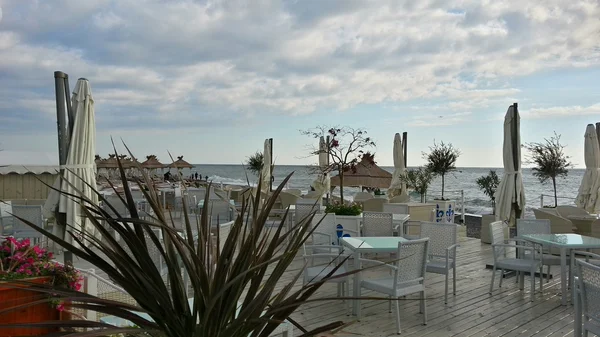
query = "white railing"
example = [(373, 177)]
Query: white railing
[(458, 195), (552, 197)]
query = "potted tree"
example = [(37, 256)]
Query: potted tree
[(488, 184), (441, 160)]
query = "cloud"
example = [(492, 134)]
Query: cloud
[(562, 111), (213, 61)]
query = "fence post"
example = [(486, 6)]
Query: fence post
[(541, 201), (92, 289), (462, 205)]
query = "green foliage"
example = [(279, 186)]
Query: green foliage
[(441, 160), (418, 179), (255, 163), (238, 290), (342, 209), (549, 160), (488, 184)]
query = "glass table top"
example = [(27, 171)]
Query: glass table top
[(370, 243), (571, 240)]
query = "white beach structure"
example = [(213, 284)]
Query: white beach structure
[(266, 170), (322, 184), (510, 195), (588, 197)]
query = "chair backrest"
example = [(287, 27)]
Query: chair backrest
[(325, 233), (374, 204), (32, 214), (565, 211), (497, 236), (362, 196), (378, 224), (287, 199), (303, 211), (441, 236), (5, 208), (395, 208), (402, 198), (533, 226), (589, 287), (295, 191), (313, 195), (411, 261)]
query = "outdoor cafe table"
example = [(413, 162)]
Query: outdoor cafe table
[(363, 245), (566, 243)]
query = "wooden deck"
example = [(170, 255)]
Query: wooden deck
[(471, 312)]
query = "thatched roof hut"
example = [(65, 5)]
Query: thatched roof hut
[(152, 163), (366, 174), (181, 164)]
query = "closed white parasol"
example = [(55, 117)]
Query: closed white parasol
[(397, 187), (80, 169), (588, 197), (510, 195), (323, 182)]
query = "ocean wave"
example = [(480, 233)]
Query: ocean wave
[(215, 179)]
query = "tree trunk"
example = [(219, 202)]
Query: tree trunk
[(442, 187), (555, 197), (341, 174)]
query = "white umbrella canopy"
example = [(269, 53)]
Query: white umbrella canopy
[(397, 186), (323, 182), (510, 195), (588, 197), (266, 171), (80, 169)]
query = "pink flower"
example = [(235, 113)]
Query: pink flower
[(60, 307)]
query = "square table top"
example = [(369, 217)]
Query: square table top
[(373, 244), (564, 240)]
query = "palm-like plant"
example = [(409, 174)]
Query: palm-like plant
[(419, 180), (255, 163), (237, 292)]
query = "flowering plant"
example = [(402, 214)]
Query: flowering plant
[(21, 260)]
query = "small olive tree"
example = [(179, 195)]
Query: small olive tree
[(441, 160), (418, 179), (346, 148), (488, 184), (549, 160), (255, 163)]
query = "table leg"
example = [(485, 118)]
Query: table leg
[(563, 275)]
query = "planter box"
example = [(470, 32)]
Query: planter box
[(444, 209), (486, 220), (11, 297)]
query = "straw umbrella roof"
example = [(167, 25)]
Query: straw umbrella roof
[(110, 162), (180, 163), (152, 163), (366, 174)]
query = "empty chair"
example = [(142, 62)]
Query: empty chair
[(443, 240), (402, 198), (32, 214), (329, 231), (395, 208), (295, 191), (588, 279), (503, 262), (408, 276), (303, 211), (377, 224), (374, 205), (538, 226), (287, 199)]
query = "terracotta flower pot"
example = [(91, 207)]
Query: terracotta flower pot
[(11, 297)]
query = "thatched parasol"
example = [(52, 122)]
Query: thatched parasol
[(181, 164), (110, 162), (365, 174), (152, 163)]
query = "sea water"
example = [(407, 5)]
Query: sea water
[(476, 202)]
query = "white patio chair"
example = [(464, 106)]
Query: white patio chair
[(329, 232), (589, 289), (503, 262), (576, 296), (408, 277), (377, 224), (403, 209), (374, 204), (303, 210), (31, 213), (538, 226), (443, 241)]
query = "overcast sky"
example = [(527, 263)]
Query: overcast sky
[(211, 80)]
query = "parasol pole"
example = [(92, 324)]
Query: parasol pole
[(271, 165), (598, 132), (404, 148), (327, 140), (63, 108), (516, 153)]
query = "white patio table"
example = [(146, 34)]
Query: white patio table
[(363, 245), (566, 243)]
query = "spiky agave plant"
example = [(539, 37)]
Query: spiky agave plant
[(238, 292)]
